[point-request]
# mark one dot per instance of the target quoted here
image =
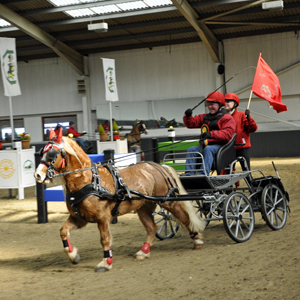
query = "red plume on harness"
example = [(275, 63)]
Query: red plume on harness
[(59, 136), (56, 137), (52, 134)]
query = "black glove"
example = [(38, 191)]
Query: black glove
[(188, 112), (247, 113), (205, 135), (83, 133)]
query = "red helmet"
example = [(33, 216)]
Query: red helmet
[(216, 97), (234, 97)]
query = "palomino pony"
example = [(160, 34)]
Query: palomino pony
[(97, 193), (134, 136)]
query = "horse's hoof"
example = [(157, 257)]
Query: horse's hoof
[(197, 247), (140, 257), (100, 270), (76, 259)]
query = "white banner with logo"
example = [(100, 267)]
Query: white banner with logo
[(9, 68), (110, 82)]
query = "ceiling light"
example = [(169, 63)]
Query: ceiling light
[(98, 27), (273, 5)]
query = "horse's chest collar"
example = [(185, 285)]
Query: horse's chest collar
[(96, 189)]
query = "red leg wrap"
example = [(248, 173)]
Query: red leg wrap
[(146, 248), (70, 247)]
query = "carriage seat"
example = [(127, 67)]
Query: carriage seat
[(225, 156)]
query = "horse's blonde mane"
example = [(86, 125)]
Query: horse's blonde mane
[(69, 149)]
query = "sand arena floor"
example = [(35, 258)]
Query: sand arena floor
[(34, 266)]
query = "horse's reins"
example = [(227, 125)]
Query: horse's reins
[(51, 174)]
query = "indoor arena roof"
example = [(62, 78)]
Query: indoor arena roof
[(50, 28)]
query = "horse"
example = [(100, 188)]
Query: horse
[(134, 136), (170, 123), (93, 193)]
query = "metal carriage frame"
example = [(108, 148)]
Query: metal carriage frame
[(217, 198)]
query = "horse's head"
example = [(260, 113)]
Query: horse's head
[(142, 127), (53, 158)]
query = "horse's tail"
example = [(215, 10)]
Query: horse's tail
[(197, 224)]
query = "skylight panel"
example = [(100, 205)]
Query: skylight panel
[(153, 3), (132, 5), (120, 6), (3, 23), (106, 9), (64, 2), (72, 2), (77, 13)]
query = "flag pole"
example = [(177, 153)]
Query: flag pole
[(111, 125), (11, 120), (249, 99)]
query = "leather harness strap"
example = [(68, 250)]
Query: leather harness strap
[(172, 189), (95, 188)]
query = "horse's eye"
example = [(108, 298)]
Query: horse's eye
[(51, 154)]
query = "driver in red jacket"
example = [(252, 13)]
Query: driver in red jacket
[(221, 129), (76, 136)]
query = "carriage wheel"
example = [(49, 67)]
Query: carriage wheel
[(238, 217), (166, 223), (202, 210), (273, 205)]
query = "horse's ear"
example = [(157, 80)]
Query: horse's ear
[(59, 137), (52, 134)]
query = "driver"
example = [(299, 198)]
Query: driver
[(76, 137), (221, 129)]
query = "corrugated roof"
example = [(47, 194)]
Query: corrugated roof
[(136, 27)]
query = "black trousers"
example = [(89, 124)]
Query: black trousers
[(246, 154)]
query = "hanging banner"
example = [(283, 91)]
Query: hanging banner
[(9, 68), (111, 91)]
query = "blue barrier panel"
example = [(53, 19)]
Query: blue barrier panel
[(54, 194), (96, 158)]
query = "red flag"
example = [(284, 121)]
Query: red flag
[(266, 85)]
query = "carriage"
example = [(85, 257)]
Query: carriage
[(220, 198), (97, 193)]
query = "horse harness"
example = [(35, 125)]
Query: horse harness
[(95, 188)]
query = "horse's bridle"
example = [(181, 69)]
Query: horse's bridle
[(53, 150), (142, 127)]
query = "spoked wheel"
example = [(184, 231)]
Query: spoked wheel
[(238, 217), (273, 205), (202, 210), (166, 223)]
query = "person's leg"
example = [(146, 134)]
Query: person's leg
[(191, 160), (246, 154), (208, 156), (80, 142)]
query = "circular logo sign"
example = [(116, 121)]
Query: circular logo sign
[(6, 168)]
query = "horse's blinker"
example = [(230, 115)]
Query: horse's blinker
[(52, 151)]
